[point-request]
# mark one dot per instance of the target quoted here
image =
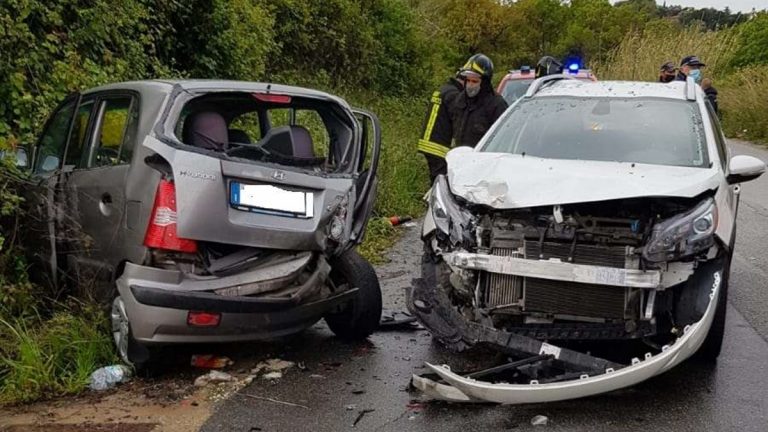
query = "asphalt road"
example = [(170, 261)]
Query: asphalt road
[(341, 382)]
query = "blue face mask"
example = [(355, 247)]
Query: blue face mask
[(695, 74)]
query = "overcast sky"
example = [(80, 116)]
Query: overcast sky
[(735, 5)]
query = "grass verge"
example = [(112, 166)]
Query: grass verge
[(47, 357)]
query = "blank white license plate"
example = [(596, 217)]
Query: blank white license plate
[(272, 198)]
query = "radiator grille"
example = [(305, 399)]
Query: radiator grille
[(502, 289), (572, 298), (609, 256)]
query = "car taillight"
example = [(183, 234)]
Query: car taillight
[(203, 319), (161, 232)]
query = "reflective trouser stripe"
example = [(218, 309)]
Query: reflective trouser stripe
[(432, 148)]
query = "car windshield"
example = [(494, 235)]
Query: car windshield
[(515, 89), (641, 130)]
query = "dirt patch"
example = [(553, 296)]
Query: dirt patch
[(171, 404)]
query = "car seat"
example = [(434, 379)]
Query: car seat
[(292, 141), (238, 136), (206, 129)]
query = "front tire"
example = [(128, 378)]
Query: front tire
[(359, 318), (713, 343)]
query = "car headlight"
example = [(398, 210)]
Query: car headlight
[(683, 235), (450, 218)]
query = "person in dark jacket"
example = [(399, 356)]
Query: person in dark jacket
[(476, 108), (667, 72), (437, 132), (711, 92)]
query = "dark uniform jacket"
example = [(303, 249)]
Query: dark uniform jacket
[(472, 117), (437, 133), (712, 96)]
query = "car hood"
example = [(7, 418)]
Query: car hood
[(507, 181)]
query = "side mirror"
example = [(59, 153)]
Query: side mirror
[(22, 160), (744, 168)]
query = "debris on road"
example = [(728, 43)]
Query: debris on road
[(397, 320), (317, 376), (210, 361), (273, 400), (106, 377), (273, 376), (351, 407), (540, 420), (397, 220), (360, 415), (214, 377)]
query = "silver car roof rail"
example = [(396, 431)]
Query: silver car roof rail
[(539, 83), (690, 88)]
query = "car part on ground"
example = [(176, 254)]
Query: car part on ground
[(540, 244)]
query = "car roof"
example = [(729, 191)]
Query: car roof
[(206, 84), (617, 89)]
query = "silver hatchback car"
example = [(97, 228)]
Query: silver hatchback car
[(210, 211)]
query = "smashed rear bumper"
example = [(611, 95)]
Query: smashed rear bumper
[(604, 378), (157, 302)]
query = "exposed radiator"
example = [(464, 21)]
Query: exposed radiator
[(609, 256), (501, 289), (572, 298), (558, 297)]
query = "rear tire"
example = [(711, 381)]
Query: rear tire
[(360, 317), (140, 357)]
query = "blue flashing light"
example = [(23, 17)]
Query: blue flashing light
[(573, 67)]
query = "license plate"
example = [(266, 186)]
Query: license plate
[(271, 199)]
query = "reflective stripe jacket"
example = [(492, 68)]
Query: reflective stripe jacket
[(437, 133)]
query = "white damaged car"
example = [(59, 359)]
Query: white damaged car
[(595, 213)]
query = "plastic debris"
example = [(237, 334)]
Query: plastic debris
[(351, 407), (213, 376), (210, 361), (397, 320), (273, 376), (540, 420), (360, 415), (317, 376), (272, 365), (106, 377)]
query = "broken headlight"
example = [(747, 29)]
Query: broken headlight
[(450, 218), (683, 235)]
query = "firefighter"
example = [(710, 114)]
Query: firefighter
[(475, 109), (548, 65), (436, 137)]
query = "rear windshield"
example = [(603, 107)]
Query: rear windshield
[(652, 131), (515, 89), (307, 133)]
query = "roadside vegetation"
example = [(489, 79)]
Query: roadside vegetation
[(382, 55)]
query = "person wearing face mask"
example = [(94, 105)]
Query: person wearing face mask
[(667, 72), (690, 66), (476, 108), (437, 132)]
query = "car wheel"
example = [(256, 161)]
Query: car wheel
[(713, 343), (360, 317), (130, 351)]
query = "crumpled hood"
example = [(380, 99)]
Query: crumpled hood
[(507, 181)]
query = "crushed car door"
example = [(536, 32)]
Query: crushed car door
[(368, 163), (97, 190)]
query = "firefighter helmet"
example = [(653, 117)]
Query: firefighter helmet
[(479, 64), (548, 65)]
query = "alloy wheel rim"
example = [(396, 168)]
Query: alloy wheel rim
[(120, 328)]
